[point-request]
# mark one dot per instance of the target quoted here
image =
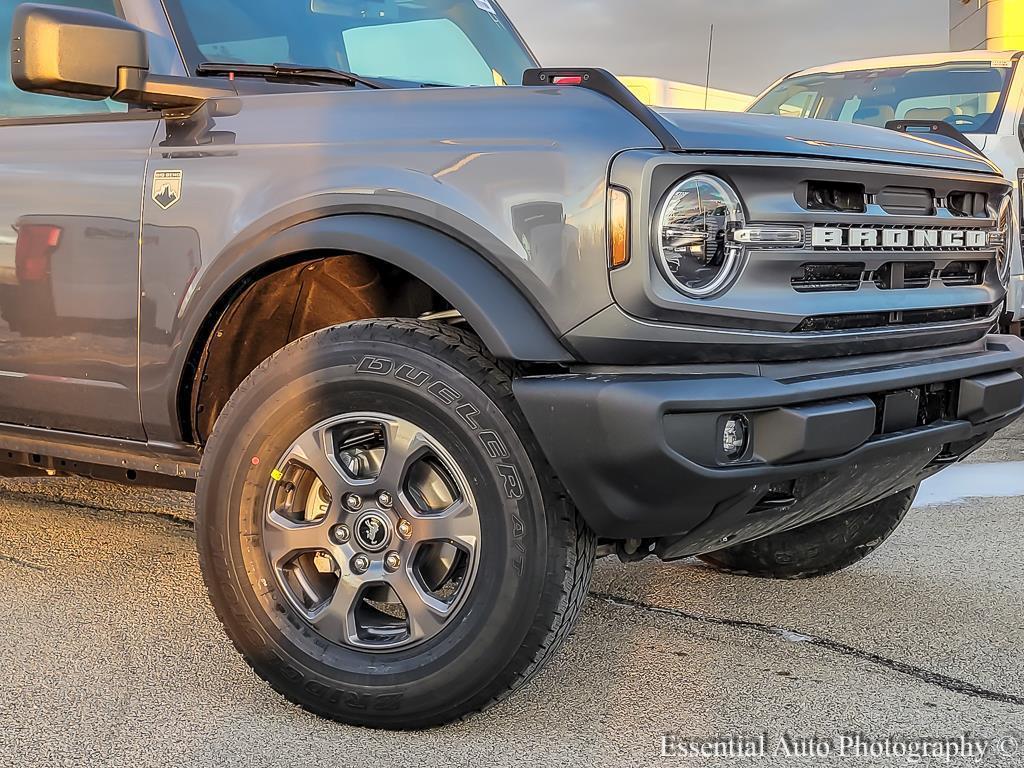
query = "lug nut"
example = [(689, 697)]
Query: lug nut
[(341, 534), (360, 563), (384, 499), (353, 502), (404, 529), (392, 561)]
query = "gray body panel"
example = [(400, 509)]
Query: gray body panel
[(68, 333), (523, 183), (747, 133), (515, 176)]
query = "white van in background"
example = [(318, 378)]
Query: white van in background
[(980, 93)]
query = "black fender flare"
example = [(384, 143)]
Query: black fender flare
[(509, 326), (507, 323), (494, 306)]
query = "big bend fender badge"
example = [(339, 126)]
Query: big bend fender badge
[(166, 188)]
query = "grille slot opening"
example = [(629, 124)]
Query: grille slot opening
[(867, 320), (973, 204), (963, 273), (910, 274), (835, 196), (828, 277)]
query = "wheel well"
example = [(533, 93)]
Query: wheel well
[(290, 299)]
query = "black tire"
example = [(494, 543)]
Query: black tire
[(820, 548), (536, 553)]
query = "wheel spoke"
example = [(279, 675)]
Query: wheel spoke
[(406, 444), (380, 475), (283, 538), (336, 619), (314, 449), (458, 524), (426, 614)]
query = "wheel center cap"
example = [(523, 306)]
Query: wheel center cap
[(373, 531)]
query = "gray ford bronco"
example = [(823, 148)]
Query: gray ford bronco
[(429, 328)]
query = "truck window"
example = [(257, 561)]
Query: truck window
[(967, 95), (800, 104), (15, 102), (442, 42)]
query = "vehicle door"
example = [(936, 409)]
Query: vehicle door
[(71, 183)]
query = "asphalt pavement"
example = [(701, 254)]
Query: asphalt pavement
[(111, 655)]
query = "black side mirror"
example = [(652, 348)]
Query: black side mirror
[(91, 55), (74, 52)]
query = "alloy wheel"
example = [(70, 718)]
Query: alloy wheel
[(372, 531)]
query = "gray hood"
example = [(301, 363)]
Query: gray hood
[(730, 132)]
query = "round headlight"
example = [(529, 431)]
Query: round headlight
[(694, 235)]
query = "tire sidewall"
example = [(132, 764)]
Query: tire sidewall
[(306, 384)]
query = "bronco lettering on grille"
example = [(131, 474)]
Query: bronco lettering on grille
[(899, 238)]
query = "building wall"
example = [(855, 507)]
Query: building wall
[(669, 93), (996, 25)]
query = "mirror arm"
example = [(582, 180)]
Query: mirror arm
[(137, 86)]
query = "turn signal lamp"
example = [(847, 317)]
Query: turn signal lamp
[(618, 227)]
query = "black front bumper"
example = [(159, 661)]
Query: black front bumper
[(639, 450)]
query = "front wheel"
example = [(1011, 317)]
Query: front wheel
[(820, 548), (378, 531)]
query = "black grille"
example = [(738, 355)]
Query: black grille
[(900, 274), (835, 196), (867, 320), (814, 278), (974, 204), (827, 277), (963, 273)]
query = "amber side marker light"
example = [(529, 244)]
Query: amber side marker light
[(618, 227)]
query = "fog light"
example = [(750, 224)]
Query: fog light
[(734, 437)]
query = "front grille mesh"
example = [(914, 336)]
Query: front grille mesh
[(872, 320), (963, 273), (904, 274), (828, 277)]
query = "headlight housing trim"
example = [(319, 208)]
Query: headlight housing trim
[(706, 209), (1002, 237)]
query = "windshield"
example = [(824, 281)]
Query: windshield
[(969, 96), (440, 42)]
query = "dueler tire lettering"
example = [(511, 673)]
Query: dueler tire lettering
[(535, 551), (380, 366)]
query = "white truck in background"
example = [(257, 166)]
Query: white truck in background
[(980, 93)]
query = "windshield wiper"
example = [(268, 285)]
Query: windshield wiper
[(322, 74)]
